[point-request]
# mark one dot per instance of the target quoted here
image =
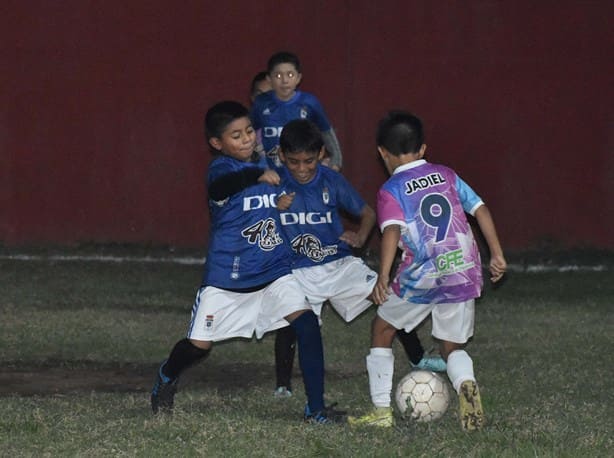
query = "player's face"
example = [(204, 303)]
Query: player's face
[(261, 87), (302, 165), (238, 139), (284, 78)]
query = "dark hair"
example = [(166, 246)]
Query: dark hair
[(300, 135), (260, 76), (283, 57), (220, 115), (400, 132)]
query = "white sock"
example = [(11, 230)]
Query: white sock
[(460, 368), (380, 366)]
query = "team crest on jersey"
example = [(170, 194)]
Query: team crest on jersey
[(209, 321), (264, 233), (310, 246), (325, 196), (220, 203), (303, 113), (266, 111)]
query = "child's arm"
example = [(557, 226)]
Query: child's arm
[(227, 185), (497, 264), (358, 238), (334, 149), (390, 242)]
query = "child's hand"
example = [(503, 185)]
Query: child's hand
[(352, 239), (380, 292), (284, 201), (269, 176), (497, 268), (326, 163)]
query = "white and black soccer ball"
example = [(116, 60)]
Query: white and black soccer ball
[(422, 396)]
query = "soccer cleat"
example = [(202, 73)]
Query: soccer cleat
[(470, 405), (282, 392), (163, 393), (432, 363), (327, 416), (379, 416)]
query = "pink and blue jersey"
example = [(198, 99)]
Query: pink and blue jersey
[(440, 262)]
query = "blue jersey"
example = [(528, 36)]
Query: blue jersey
[(270, 114), (246, 248), (313, 222)]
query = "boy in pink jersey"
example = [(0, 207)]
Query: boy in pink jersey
[(421, 209)]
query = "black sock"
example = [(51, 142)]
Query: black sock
[(183, 355), (285, 346), (411, 344)]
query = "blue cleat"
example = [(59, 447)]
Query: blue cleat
[(163, 393), (327, 416), (432, 363)]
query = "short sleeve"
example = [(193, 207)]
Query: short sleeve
[(469, 199), (388, 210)]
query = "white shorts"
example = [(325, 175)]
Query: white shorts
[(219, 314), (451, 322), (345, 282)]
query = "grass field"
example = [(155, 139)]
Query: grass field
[(80, 343)]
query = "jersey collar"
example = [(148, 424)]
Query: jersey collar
[(409, 165)]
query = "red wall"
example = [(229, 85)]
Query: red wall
[(101, 106)]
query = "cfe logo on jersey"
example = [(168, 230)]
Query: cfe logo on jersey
[(310, 246), (304, 113), (264, 233)]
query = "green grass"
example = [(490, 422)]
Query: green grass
[(542, 355)]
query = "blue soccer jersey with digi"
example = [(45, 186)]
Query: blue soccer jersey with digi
[(246, 248), (313, 223), (270, 114)]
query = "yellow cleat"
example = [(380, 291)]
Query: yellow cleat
[(379, 416), (470, 405)]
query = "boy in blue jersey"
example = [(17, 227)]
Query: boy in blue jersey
[(247, 284), (421, 209), (311, 200), (273, 110)]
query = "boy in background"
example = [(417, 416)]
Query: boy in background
[(247, 284), (271, 111), (422, 207), (260, 85), (311, 200)]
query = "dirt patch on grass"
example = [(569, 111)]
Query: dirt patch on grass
[(85, 377)]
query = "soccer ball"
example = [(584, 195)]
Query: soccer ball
[(422, 396)]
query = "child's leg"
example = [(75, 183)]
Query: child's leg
[(415, 352), (453, 325), (310, 357), (380, 362), (380, 368), (411, 345), (460, 372), (185, 353), (285, 346)]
